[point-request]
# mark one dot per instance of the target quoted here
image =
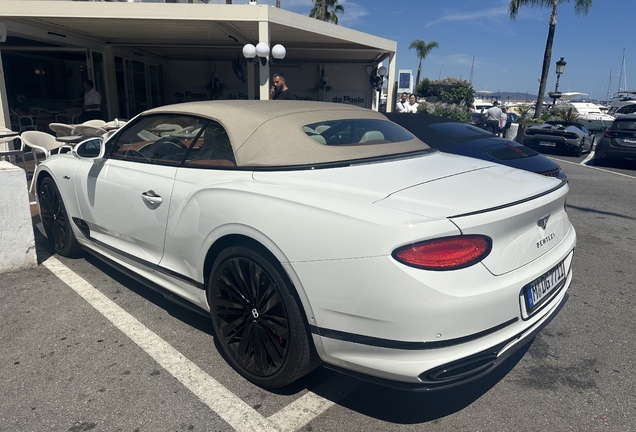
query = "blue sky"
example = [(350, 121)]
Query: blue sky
[(508, 54)]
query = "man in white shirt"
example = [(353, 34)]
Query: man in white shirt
[(403, 103), (92, 102), (493, 115)]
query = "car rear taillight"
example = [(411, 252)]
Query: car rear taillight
[(607, 134), (448, 253)]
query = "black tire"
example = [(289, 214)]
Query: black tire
[(257, 319), (55, 220), (578, 152)]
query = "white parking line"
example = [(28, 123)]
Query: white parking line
[(593, 167), (228, 406), (305, 409), (588, 158)]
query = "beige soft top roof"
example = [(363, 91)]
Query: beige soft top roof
[(269, 133)]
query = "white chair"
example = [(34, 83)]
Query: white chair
[(95, 122), (70, 114), (165, 129), (62, 129), (10, 154), (89, 130), (24, 122), (113, 124), (372, 136), (40, 142)]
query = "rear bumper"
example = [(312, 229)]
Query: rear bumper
[(467, 369), (606, 150), (561, 143)]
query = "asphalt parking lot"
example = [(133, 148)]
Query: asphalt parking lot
[(85, 348)]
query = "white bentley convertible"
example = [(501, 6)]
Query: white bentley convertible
[(320, 233)]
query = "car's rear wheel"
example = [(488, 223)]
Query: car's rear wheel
[(55, 220), (257, 319), (578, 151)]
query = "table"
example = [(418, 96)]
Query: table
[(8, 135)]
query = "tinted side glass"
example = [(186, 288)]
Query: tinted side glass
[(160, 138), (212, 148), (619, 124)]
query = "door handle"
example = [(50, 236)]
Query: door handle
[(151, 198)]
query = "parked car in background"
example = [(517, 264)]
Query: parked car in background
[(449, 136), (558, 135), (479, 119), (318, 232), (618, 141)]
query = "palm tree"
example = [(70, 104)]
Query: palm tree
[(228, 1), (326, 10), (423, 49), (278, 4), (581, 7)]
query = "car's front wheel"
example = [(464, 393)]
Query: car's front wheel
[(55, 219), (257, 319)]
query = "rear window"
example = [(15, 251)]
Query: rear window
[(623, 124), (356, 132), (459, 130)]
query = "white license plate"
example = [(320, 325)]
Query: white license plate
[(630, 140), (541, 288), (547, 144)]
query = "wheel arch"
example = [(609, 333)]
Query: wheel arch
[(264, 245)]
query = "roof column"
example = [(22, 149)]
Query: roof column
[(264, 36), (390, 103), (5, 119), (110, 81)]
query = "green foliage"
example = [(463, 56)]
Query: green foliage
[(424, 88), (333, 8), (524, 112), (552, 114), (457, 95), (569, 114), (450, 90), (457, 112)]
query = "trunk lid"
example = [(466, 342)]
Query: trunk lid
[(524, 213)]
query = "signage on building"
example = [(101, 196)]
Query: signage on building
[(405, 81), (360, 99)]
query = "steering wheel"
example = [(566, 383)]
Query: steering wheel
[(165, 146)]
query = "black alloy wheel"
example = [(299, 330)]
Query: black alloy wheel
[(257, 319), (55, 220)]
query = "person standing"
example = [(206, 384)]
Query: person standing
[(402, 103), (493, 116), (411, 107), (502, 122), (279, 90), (92, 103)]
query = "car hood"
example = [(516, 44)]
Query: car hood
[(437, 185)]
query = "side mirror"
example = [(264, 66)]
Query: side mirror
[(92, 148)]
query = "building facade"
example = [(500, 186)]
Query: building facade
[(145, 54)]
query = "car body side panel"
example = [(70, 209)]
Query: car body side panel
[(283, 217), (111, 201)]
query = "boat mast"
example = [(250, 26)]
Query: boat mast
[(620, 77), (609, 87), (472, 68)]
